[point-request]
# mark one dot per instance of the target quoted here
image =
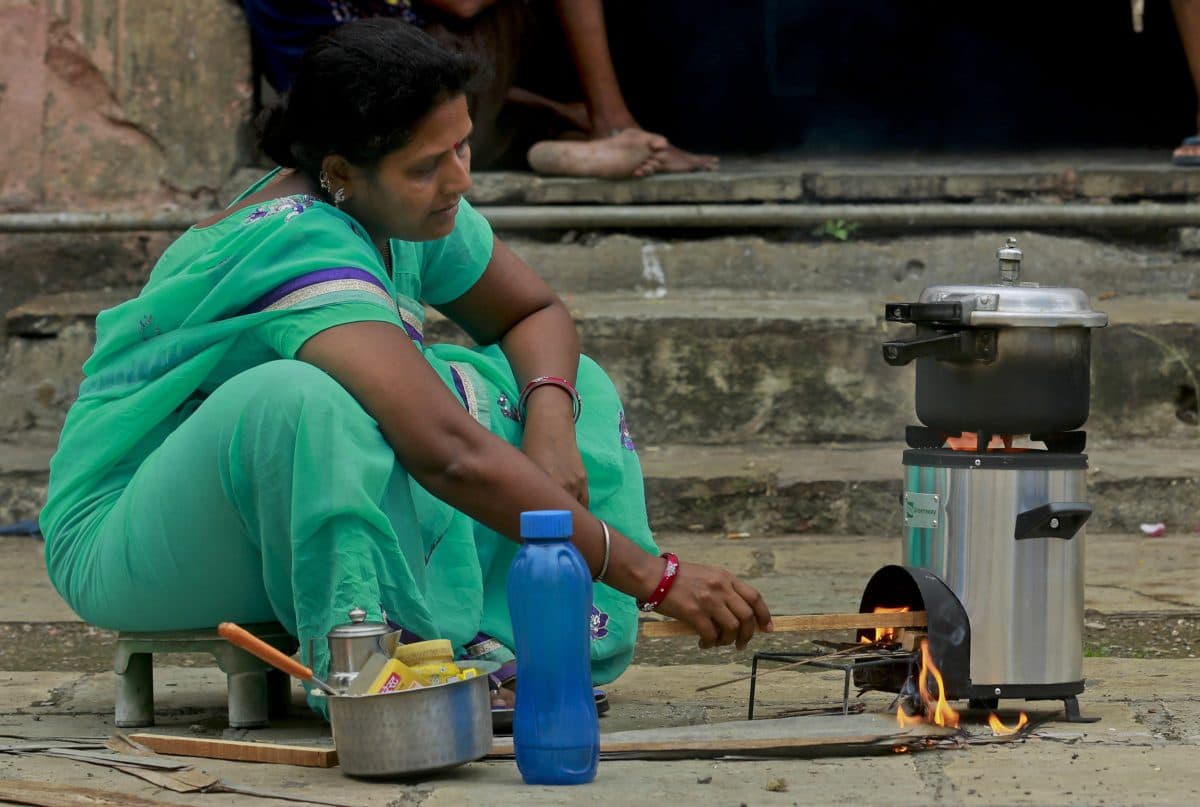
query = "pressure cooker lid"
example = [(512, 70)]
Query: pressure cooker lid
[(1017, 304)]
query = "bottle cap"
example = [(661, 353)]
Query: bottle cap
[(545, 525)]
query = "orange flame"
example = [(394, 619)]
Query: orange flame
[(943, 714), (1000, 729), (905, 720), (969, 441), (885, 634), (937, 710)]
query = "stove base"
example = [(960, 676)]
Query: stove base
[(988, 697)]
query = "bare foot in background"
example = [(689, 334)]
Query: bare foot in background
[(674, 159), (629, 154)]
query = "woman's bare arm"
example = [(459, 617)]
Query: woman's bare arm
[(451, 455), (464, 464), (511, 305)]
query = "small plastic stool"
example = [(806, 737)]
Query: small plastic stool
[(257, 691)]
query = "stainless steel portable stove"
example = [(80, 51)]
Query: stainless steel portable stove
[(993, 542)]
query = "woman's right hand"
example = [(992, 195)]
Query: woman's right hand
[(723, 609)]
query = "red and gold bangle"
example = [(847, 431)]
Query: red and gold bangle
[(670, 572), (550, 380)]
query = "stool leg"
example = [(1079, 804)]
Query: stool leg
[(135, 693), (248, 699), (279, 694)]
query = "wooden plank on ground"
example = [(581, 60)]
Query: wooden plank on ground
[(239, 751), (806, 622), (808, 736)]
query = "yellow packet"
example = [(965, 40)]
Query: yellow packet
[(435, 650), (436, 672), (381, 674)]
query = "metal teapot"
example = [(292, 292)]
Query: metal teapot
[(351, 644)]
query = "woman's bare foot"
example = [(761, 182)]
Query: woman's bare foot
[(631, 153)]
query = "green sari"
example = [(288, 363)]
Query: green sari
[(206, 475)]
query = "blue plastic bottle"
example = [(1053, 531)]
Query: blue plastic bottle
[(555, 731)]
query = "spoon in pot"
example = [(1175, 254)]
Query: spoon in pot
[(241, 637)]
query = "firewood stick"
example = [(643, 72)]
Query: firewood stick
[(807, 622)]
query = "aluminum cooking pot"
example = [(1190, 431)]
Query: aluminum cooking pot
[(1012, 358), (415, 731)]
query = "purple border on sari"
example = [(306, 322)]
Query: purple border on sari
[(458, 386), (412, 332), (311, 279)]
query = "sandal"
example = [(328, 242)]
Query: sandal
[(502, 716), (1188, 153)]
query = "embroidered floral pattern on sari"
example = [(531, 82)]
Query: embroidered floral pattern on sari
[(598, 624), (290, 206), (508, 408), (147, 329), (626, 438)]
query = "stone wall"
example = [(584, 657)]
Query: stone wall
[(121, 104)]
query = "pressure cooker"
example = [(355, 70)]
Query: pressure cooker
[(1010, 358)]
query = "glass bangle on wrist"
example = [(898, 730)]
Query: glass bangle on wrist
[(553, 381), (670, 572)]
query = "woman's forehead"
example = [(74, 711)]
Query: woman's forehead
[(440, 130)]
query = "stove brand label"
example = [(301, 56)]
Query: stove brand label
[(921, 510)]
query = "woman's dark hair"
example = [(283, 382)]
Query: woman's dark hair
[(359, 92)]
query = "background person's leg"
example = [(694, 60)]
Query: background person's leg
[(1187, 21)]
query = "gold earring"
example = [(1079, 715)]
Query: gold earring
[(339, 196), (323, 181)]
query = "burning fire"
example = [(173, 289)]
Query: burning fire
[(969, 441), (935, 709), (941, 713), (1000, 729), (885, 634)]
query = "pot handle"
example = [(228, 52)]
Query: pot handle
[(1054, 520), (925, 313), (963, 345)]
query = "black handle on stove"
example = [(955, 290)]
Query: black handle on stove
[(925, 313), (968, 344), (1054, 520)]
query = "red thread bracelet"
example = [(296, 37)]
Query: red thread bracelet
[(670, 572), (550, 380)]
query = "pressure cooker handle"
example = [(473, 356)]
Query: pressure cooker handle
[(1054, 520), (925, 313), (964, 345)]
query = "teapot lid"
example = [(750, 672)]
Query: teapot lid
[(358, 626)]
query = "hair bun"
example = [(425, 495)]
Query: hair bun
[(274, 138)]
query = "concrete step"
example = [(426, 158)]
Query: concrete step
[(659, 263), (1075, 175), (898, 267), (92, 249), (845, 489), (720, 367)]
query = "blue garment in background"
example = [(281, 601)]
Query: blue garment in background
[(283, 29)]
